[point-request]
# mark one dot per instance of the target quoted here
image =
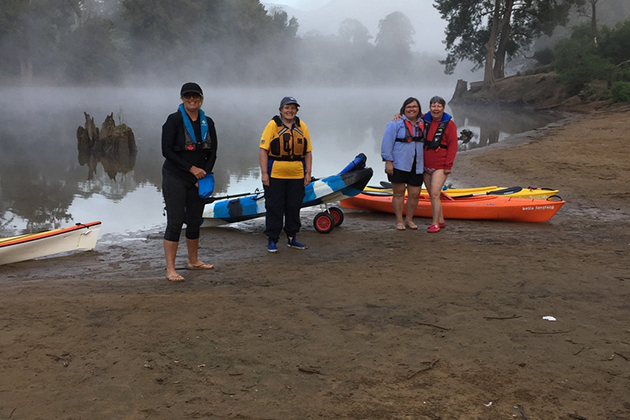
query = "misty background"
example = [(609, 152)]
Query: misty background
[(235, 42), (349, 63)]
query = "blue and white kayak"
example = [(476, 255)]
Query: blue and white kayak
[(347, 183)]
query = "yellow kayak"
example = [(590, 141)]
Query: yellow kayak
[(517, 192)]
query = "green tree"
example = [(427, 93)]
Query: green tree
[(394, 41), (353, 32), (615, 43), (395, 31), (92, 53), (578, 63), (487, 33), (31, 30), (218, 37)]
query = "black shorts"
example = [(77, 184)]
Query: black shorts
[(404, 177)]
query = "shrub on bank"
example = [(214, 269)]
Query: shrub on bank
[(621, 91)]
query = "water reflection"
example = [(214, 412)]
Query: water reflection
[(43, 185), (490, 125)]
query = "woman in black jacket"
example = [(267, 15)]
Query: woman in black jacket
[(189, 146)]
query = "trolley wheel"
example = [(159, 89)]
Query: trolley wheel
[(323, 222), (337, 215)]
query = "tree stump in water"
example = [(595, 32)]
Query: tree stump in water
[(113, 145), (117, 139), (460, 91)]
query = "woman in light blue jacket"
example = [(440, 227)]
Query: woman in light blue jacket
[(402, 151)]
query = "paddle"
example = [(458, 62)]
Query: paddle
[(225, 197), (256, 192), (503, 191)]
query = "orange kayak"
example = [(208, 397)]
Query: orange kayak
[(484, 207)]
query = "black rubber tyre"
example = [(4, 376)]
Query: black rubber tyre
[(337, 215), (323, 222)]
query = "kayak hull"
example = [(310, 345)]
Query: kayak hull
[(326, 190), (484, 207), (52, 242)]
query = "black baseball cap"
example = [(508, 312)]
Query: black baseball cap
[(288, 100), (191, 87)]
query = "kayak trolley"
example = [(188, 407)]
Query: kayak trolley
[(326, 220)]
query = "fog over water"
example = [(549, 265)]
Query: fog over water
[(43, 185)]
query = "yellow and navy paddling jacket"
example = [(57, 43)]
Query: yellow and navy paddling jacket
[(286, 148)]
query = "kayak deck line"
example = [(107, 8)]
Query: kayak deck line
[(28, 237)]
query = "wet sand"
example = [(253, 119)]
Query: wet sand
[(369, 323)]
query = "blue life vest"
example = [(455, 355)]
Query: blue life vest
[(189, 132)]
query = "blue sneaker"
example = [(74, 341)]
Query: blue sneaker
[(271, 246), (293, 243)]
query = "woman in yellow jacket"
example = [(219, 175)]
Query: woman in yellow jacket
[(285, 165)]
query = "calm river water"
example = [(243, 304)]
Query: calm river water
[(44, 184)]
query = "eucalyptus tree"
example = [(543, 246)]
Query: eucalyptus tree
[(487, 32)]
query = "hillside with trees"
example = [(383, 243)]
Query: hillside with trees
[(243, 43), (590, 62), (223, 42)]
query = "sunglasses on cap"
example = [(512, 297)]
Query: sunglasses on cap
[(191, 95)]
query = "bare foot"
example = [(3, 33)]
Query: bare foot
[(174, 276), (200, 266)]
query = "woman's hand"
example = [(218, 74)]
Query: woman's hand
[(265, 179), (389, 167), (197, 172), (307, 179)]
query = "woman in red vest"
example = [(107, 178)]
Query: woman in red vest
[(440, 148)]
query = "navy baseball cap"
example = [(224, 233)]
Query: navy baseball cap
[(288, 100), (191, 87)]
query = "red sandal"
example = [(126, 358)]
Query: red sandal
[(433, 229)]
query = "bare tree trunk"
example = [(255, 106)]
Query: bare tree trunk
[(499, 58), (488, 74), (26, 69), (594, 20)]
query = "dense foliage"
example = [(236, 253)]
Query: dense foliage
[(580, 61)]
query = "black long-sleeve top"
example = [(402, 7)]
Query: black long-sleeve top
[(179, 162)]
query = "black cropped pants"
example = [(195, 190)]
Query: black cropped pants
[(183, 205), (283, 201)]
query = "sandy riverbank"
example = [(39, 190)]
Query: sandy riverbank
[(369, 323)]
